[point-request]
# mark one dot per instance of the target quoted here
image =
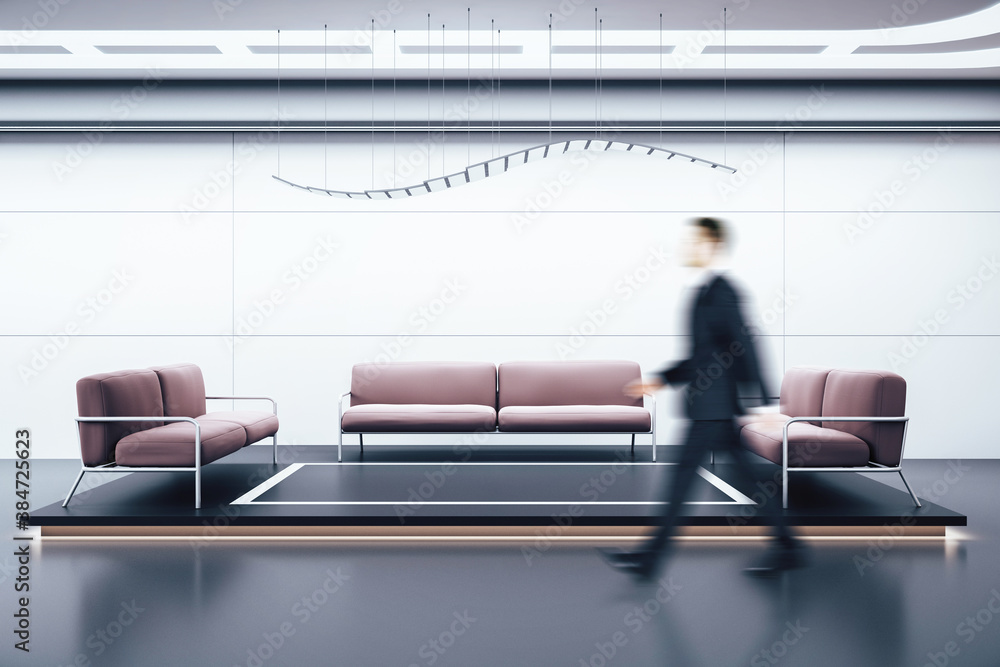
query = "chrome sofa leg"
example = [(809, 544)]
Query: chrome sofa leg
[(912, 495), (79, 478), (633, 444), (784, 487)]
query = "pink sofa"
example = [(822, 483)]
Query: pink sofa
[(834, 420), (467, 397), (155, 419)]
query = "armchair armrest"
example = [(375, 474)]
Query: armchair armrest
[(340, 425), (652, 406), (652, 420), (274, 404), (784, 430), (840, 419), (340, 408)]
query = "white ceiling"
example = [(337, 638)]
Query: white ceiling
[(238, 39)]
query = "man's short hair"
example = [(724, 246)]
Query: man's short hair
[(715, 228)]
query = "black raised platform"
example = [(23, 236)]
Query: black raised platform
[(502, 491)]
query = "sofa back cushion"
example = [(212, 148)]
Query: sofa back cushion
[(566, 383), (426, 382), (132, 393), (802, 390), (183, 389), (862, 393)]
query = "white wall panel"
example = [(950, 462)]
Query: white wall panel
[(875, 173), (115, 171), (908, 273), (116, 274), (461, 273)]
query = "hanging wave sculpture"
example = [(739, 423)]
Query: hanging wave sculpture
[(499, 165)]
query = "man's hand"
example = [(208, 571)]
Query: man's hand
[(637, 388)]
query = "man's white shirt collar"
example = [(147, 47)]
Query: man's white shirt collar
[(704, 276)]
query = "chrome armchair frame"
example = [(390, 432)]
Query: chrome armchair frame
[(114, 467), (340, 429), (871, 467)]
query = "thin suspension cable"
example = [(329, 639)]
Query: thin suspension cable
[(443, 172), (428, 96), (326, 179), (725, 72), (468, 85), (394, 169), (492, 74), (661, 78), (600, 75), (499, 49), (373, 102), (550, 78), (597, 112), (279, 102)]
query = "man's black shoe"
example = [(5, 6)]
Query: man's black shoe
[(779, 558)]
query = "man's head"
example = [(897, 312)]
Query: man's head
[(705, 239)]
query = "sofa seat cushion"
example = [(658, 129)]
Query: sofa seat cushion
[(808, 446), (173, 444), (258, 425), (575, 418), (755, 418), (390, 417)]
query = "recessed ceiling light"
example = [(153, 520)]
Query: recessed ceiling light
[(768, 49), (30, 49), (294, 49), (157, 49), (460, 50), (626, 49)]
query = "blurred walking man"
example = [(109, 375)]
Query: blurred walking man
[(722, 358)]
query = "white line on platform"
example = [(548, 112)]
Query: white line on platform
[(250, 497), (488, 463), (486, 502), (725, 487)]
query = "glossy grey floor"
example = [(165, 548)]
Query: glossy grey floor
[(869, 602)]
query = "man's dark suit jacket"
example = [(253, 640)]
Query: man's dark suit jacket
[(722, 355)]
